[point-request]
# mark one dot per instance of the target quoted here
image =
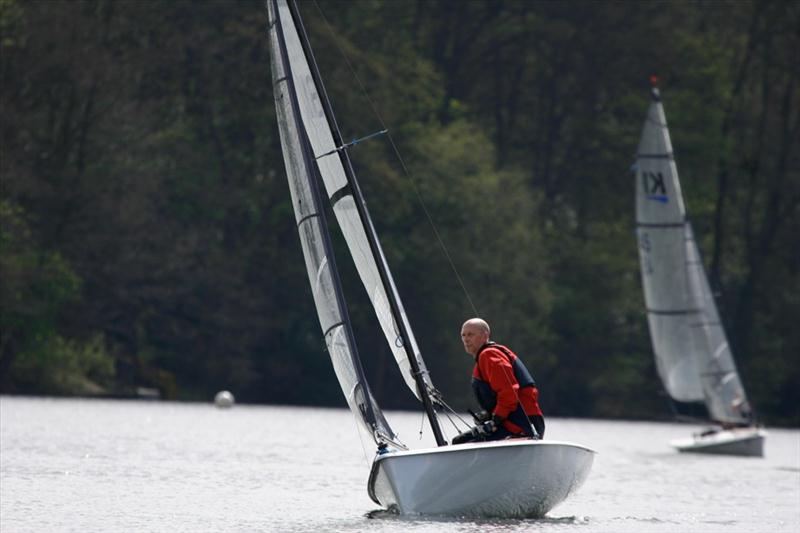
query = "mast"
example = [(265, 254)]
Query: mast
[(366, 221)]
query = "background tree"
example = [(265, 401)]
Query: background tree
[(146, 227)]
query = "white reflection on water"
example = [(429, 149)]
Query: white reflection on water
[(100, 465)]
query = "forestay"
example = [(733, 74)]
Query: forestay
[(692, 354), (318, 131), (314, 236)]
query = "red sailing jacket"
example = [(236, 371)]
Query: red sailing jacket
[(493, 367)]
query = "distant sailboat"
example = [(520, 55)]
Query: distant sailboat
[(511, 478), (692, 354)]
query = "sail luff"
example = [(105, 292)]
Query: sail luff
[(396, 328), (315, 238)]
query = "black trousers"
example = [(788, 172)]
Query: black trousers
[(537, 421)]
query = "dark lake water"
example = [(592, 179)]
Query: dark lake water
[(131, 466)]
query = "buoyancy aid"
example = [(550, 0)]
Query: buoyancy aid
[(487, 397)]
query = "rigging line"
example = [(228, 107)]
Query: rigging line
[(353, 143), (452, 411), (447, 408), (400, 158), (359, 432), (453, 423)]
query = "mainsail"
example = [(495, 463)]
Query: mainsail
[(692, 354), (301, 169), (319, 132)]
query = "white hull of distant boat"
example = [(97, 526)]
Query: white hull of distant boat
[(505, 479), (747, 442)]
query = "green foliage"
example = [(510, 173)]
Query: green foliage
[(54, 365), (35, 283), (35, 287), (146, 220)]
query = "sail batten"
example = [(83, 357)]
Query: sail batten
[(655, 156), (691, 350)]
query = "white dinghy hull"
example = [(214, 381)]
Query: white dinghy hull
[(517, 478), (747, 442)]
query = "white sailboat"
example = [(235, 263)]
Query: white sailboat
[(692, 354), (512, 478)]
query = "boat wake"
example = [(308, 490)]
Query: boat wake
[(487, 524)]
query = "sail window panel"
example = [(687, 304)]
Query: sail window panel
[(339, 351), (319, 275), (674, 346), (357, 394), (340, 354), (299, 187)]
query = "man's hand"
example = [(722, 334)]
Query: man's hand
[(497, 420), (489, 426), (487, 423), (492, 425), (482, 417)]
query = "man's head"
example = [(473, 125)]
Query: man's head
[(474, 334)]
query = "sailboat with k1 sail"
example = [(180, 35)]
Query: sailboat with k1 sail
[(512, 478), (692, 354)]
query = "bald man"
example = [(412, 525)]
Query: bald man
[(502, 385)]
